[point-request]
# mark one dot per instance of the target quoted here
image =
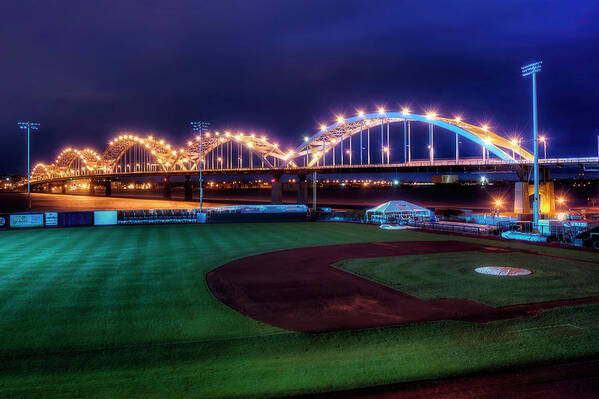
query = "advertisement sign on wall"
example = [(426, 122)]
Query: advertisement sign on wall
[(105, 218), (27, 220), (51, 219)]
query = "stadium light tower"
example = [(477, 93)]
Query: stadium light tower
[(532, 69), (198, 126), (29, 126)]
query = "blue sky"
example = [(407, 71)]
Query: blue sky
[(89, 70)]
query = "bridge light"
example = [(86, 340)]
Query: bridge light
[(542, 138), (381, 110), (189, 142), (150, 138), (162, 142), (430, 115), (324, 127), (405, 111), (360, 113), (197, 138), (498, 203), (561, 200), (485, 127), (487, 140), (458, 119), (217, 133), (227, 134), (340, 119), (263, 138), (276, 145), (252, 135)]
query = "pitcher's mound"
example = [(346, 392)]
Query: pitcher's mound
[(502, 271)]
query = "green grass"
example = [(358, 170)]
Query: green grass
[(452, 275), (125, 312)]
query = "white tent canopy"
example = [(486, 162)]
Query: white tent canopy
[(397, 212)]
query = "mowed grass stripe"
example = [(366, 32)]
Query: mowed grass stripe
[(94, 287)]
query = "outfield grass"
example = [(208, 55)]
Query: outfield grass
[(452, 275), (125, 311)]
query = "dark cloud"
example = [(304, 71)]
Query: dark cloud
[(87, 70)]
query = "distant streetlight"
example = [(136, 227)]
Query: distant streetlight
[(543, 140), (498, 204), (29, 126), (533, 69), (198, 126)]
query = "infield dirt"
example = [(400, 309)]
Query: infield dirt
[(300, 290)]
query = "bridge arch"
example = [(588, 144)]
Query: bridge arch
[(330, 136), (42, 171), (220, 145), (148, 148), (72, 161)]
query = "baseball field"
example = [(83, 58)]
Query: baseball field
[(279, 309)]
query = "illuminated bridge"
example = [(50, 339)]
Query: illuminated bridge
[(359, 144)]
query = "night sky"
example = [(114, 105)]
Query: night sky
[(89, 70)]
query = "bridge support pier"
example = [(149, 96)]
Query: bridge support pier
[(63, 188), (302, 189), (92, 187), (277, 190), (188, 188), (166, 191), (524, 194), (108, 188)]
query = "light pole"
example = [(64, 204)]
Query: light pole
[(382, 113), (532, 69), (197, 127), (29, 126)]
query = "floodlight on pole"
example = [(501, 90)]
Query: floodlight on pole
[(533, 69), (198, 126), (29, 126)]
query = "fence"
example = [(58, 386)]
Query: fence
[(457, 228)]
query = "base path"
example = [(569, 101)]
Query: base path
[(299, 290)]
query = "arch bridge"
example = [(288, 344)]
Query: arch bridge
[(361, 143)]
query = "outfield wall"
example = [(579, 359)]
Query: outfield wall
[(233, 214)]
